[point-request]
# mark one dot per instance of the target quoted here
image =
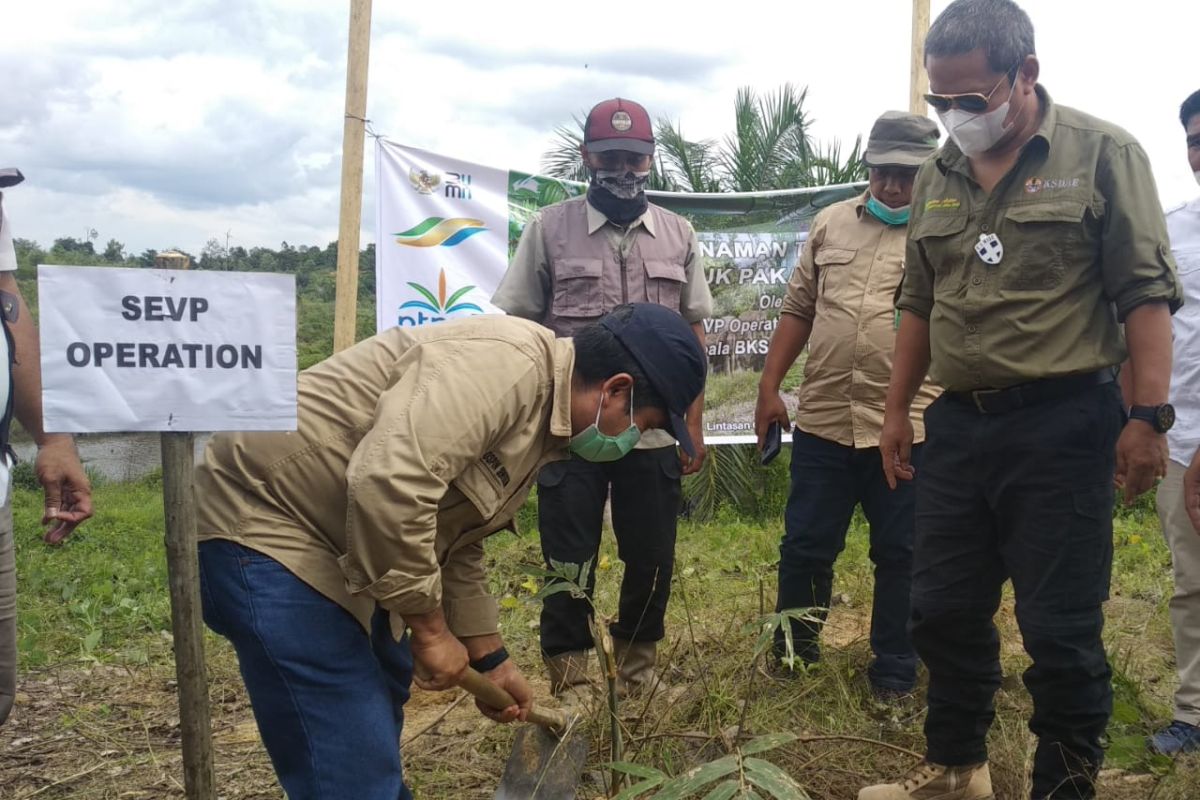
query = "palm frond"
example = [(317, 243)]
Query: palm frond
[(562, 160), (688, 166), (729, 475), (828, 168)]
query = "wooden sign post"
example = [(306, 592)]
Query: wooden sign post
[(183, 581)]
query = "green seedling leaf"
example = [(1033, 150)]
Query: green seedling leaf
[(764, 743), (772, 779), (637, 770), (694, 779), (723, 791)]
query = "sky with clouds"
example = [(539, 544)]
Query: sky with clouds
[(169, 124)]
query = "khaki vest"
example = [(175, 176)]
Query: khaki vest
[(588, 276)]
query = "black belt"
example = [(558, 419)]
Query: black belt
[(1001, 401)]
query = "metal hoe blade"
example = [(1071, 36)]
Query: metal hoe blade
[(542, 766)]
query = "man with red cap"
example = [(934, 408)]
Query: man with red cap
[(576, 261)]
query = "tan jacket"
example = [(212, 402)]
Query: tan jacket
[(412, 446), (845, 284)]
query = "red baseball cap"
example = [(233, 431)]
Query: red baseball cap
[(619, 125)]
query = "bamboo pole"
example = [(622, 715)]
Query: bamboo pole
[(345, 318), (918, 81)]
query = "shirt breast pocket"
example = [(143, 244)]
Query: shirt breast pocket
[(941, 239), (664, 283), (1042, 242), (833, 268), (577, 291)]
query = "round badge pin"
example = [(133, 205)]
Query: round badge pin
[(621, 121)]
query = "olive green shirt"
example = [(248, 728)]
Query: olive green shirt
[(1084, 243)]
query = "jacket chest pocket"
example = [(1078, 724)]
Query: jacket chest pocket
[(664, 283), (484, 488), (1042, 242), (833, 268), (577, 291)]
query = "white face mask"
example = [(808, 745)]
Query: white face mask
[(1196, 174), (975, 134)]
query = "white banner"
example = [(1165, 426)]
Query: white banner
[(166, 350), (442, 236)]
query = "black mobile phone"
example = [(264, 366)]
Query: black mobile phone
[(773, 443)]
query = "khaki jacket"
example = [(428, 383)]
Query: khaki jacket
[(412, 446), (845, 285)]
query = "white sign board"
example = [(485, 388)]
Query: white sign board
[(166, 350)]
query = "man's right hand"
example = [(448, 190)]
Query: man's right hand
[(441, 659), (770, 408), (895, 447)]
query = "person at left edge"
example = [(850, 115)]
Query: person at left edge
[(333, 556), (576, 260), (67, 490)]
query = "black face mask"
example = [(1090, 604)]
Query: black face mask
[(618, 210)]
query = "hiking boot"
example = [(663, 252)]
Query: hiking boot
[(1178, 737), (927, 781), (568, 674), (635, 666)]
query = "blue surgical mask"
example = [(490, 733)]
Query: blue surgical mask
[(592, 445), (886, 214)]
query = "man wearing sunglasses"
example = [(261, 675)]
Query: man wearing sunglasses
[(1036, 232), (840, 303), (577, 260)]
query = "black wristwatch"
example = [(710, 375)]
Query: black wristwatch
[(1161, 417)]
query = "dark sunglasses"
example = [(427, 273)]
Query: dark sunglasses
[(971, 102)]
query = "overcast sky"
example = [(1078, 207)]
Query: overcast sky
[(167, 124)]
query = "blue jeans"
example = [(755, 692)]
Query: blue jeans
[(828, 481), (328, 699)]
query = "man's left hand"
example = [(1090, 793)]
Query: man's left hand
[(1141, 459), (510, 679), (68, 491), (690, 465)]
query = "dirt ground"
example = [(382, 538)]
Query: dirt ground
[(92, 732)]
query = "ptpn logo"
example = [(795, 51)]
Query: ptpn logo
[(439, 306), (439, 232)]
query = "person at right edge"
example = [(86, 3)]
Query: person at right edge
[(1036, 232), (1183, 225)]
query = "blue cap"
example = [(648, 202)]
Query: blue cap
[(666, 348)]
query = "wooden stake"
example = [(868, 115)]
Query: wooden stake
[(345, 317), (918, 81), (183, 576)]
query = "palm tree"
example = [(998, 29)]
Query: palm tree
[(770, 148)]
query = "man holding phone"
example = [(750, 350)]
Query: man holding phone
[(840, 302)]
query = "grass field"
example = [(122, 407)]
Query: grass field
[(96, 714)]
